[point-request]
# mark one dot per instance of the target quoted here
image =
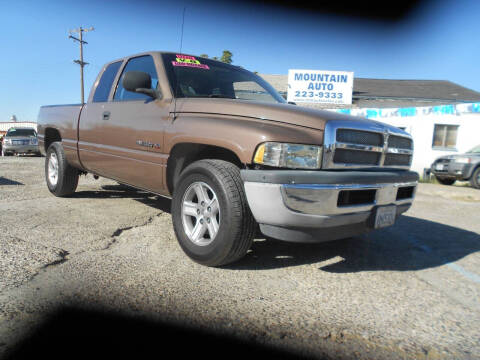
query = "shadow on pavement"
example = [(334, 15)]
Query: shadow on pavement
[(124, 191), (112, 191), (411, 244), (158, 202), (5, 181), (79, 334)]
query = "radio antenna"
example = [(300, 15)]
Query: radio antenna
[(178, 79), (183, 22)]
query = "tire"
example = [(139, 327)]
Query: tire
[(232, 225), (445, 181), (475, 179), (66, 180)]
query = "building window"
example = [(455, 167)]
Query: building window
[(445, 136)]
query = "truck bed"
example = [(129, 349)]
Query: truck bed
[(63, 118)]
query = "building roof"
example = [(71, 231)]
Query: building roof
[(4, 126), (385, 93)]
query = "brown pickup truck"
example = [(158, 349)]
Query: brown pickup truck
[(231, 153)]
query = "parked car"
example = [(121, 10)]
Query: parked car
[(466, 167), (20, 141), (178, 126)]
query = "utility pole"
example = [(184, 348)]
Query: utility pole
[(80, 62)]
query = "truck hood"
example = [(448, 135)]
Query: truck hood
[(284, 113)]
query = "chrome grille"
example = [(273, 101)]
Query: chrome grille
[(357, 144), (397, 160), (359, 137), (399, 142), (343, 156), (20, 142)]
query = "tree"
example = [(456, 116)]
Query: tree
[(226, 57)]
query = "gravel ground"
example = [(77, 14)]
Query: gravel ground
[(410, 291)]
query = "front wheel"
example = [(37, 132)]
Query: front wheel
[(61, 177), (211, 217), (445, 181), (475, 179)]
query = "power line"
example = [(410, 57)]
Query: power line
[(80, 62)]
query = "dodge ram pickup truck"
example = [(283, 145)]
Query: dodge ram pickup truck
[(232, 155)]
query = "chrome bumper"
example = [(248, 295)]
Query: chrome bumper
[(311, 206), (21, 148)]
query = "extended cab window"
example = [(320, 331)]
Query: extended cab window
[(192, 76), (106, 81), (141, 63)]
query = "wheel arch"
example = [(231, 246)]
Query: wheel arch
[(51, 135), (183, 154)]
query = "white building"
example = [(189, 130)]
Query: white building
[(4, 126), (442, 117)]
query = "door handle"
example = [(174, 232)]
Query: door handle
[(106, 115)]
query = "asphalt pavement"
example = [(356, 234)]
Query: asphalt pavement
[(106, 261)]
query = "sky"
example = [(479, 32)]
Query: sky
[(440, 40)]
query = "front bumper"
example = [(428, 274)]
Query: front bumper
[(21, 149), (452, 170), (315, 206)]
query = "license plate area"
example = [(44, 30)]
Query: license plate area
[(385, 216)]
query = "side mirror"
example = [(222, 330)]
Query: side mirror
[(140, 82)]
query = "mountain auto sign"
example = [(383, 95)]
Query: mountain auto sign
[(318, 86)]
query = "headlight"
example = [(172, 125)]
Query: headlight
[(296, 156), (7, 141), (33, 142), (463, 160)]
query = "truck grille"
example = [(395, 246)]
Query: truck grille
[(359, 137), (400, 142), (349, 144), (397, 160), (343, 156)]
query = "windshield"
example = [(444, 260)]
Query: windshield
[(475, 150), (197, 77), (21, 132)]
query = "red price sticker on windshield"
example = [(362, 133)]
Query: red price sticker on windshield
[(190, 61)]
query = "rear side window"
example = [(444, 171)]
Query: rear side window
[(106, 81), (141, 63)]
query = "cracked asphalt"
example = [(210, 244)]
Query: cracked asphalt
[(411, 291)]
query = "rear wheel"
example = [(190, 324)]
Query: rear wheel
[(475, 179), (445, 181), (62, 179), (210, 213)]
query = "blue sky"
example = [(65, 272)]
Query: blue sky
[(439, 41)]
